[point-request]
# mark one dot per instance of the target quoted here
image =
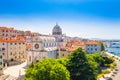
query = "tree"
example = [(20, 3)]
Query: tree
[(47, 69), (96, 57), (93, 60), (79, 66), (63, 61), (99, 58), (102, 46), (108, 60)]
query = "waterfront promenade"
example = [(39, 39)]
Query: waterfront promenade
[(115, 74)]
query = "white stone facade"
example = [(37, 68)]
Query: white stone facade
[(15, 50), (42, 47)]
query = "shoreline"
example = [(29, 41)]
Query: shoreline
[(109, 75), (110, 54)]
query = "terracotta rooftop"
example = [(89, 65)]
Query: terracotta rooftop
[(1, 40), (92, 42), (5, 28)]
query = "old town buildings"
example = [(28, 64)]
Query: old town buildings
[(18, 46), (46, 46), (12, 46)]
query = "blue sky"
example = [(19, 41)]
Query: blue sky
[(83, 18)]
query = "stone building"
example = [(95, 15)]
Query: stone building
[(41, 47), (8, 33), (93, 47), (13, 50)]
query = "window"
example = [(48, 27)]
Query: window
[(95, 49), (95, 45), (2, 30), (3, 49), (3, 44), (0, 56), (87, 45), (15, 43), (44, 44), (19, 43), (11, 53), (6, 34), (57, 54), (88, 49), (12, 59), (91, 49), (11, 43), (0, 63), (3, 53)]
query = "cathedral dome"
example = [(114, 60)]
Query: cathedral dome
[(57, 30)]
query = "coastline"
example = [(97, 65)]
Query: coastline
[(109, 75), (112, 55)]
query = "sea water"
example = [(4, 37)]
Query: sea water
[(115, 51)]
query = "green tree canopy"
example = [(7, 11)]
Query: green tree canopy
[(102, 46), (63, 61), (108, 60), (97, 57), (100, 59), (79, 66), (47, 69)]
